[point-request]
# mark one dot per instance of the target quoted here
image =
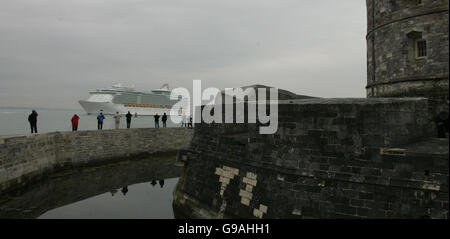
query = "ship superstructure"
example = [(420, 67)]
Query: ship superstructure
[(122, 99)]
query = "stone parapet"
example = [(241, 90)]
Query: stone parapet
[(25, 157), (330, 158)]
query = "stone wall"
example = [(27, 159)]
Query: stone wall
[(392, 65), (331, 158), (24, 158)]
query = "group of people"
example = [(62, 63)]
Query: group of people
[(128, 116), (32, 119), (163, 119), (101, 117), (185, 123)]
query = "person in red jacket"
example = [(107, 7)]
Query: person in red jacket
[(75, 119)]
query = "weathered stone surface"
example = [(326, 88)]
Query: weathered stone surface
[(349, 158), (31, 156), (392, 66)]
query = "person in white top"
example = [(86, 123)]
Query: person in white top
[(184, 121), (117, 119)]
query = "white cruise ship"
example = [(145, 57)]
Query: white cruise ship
[(122, 99)]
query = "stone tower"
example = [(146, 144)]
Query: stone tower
[(408, 50)]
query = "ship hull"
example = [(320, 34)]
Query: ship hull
[(111, 108)]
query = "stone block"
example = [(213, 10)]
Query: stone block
[(219, 172), (226, 168), (257, 213), (224, 180), (297, 212), (251, 175), (245, 194), (228, 174), (249, 181), (245, 201), (263, 208)]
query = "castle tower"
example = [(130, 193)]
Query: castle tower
[(408, 50)]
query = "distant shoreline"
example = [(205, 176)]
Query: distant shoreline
[(37, 108)]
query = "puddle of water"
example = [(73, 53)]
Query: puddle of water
[(128, 189), (140, 201)]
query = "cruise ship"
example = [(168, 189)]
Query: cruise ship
[(122, 99)]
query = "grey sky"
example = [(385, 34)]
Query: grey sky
[(52, 52)]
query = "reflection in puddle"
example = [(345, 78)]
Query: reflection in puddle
[(129, 189), (142, 200)]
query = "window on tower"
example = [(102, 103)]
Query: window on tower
[(421, 48), (417, 45)]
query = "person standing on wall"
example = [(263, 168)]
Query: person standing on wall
[(183, 121), (164, 120), (128, 116), (117, 120), (32, 118), (100, 119), (190, 125), (156, 121), (75, 120)]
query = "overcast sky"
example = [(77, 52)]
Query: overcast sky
[(53, 52)]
